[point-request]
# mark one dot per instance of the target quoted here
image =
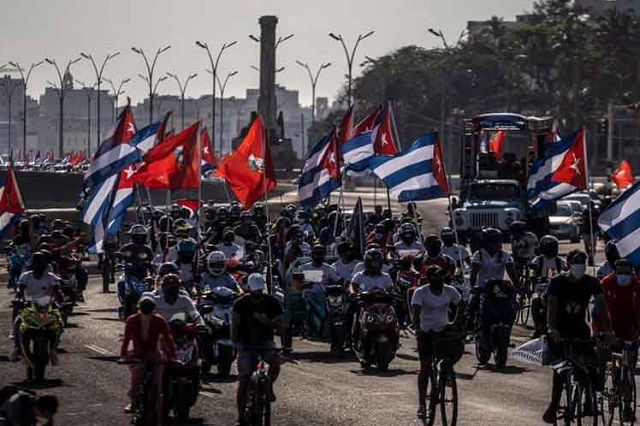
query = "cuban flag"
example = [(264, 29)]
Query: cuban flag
[(149, 136), (321, 172), (560, 172), (357, 151), (123, 198), (208, 161), (621, 222), (96, 212), (11, 204), (115, 153), (383, 141), (416, 174)]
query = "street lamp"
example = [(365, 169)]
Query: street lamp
[(223, 86), (350, 57), (314, 82), (149, 77), (255, 68), (183, 88), (88, 91), (98, 83), (214, 74), (25, 82), (9, 86), (280, 39), (61, 92), (116, 94)]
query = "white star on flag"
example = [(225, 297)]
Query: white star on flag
[(131, 128), (206, 150), (576, 164), (332, 158), (384, 139), (129, 172)]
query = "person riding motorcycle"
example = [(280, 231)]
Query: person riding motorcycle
[(434, 257), (543, 268), (186, 261), (523, 245), (255, 317), (409, 242), (325, 272), (171, 301), (346, 264), (230, 249), (217, 275), (248, 231), (455, 251), (34, 284), (138, 251), (234, 213), (260, 216)]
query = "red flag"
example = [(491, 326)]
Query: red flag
[(383, 140), (496, 143), (169, 165), (573, 170), (330, 159), (345, 131), (10, 197), (209, 160), (367, 124), (622, 177), (437, 164), (192, 205), (249, 170)]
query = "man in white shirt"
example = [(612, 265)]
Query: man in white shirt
[(346, 264), (408, 243), (430, 305), (317, 272), (458, 253), (231, 250), (170, 301)]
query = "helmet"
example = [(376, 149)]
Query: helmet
[(68, 231), (187, 246), (170, 280), (517, 228), (255, 282), (168, 268), (236, 210), (165, 223), (491, 238), (57, 224), (407, 228), (216, 263), (138, 234), (549, 246), (174, 210), (344, 247), (246, 214), (223, 213), (434, 273), (611, 253), (448, 235), (39, 260), (373, 261), (258, 209)]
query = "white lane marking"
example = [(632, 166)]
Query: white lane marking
[(207, 394), (99, 350)]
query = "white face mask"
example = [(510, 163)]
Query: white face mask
[(578, 271), (623, 280)]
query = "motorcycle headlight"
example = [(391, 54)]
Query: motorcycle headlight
[(369, 318), (389, 318)]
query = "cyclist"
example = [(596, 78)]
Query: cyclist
[(543, 268), (621, 290), (455, 251), (144, 330), (523, 245), (255, 317), (568, 296), (430, 305)]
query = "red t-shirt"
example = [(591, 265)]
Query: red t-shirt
[(623, 306), (145, 347)]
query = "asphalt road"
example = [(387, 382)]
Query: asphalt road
[(314, 389)]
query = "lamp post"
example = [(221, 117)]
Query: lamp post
[(61, 92), (98, 72), (149, 77), (183, 89), (25, 82), (223, 86), (88, 91), (350, 57), (214, 74), (314, 81), (116, 94), (9, 85)]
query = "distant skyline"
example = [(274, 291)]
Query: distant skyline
[(31, 30)]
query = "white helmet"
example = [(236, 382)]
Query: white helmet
[(216, 263), (255, 283), (221, 291)]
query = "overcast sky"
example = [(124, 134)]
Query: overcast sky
[(60, 29)]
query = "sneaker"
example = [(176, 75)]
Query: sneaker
[(128, 409), (54, 359), (551, 415), (422, 412), (15, 355)]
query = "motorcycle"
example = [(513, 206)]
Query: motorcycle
[(72, 293), (376, 341), (183, 378), (336, 311), (40, 324), (130, 288), (216, 348), (495, 319)]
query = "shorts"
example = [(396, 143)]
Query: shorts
[(249, 355), (425, 345), (447, 344)]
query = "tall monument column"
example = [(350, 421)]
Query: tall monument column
[(267, 105)]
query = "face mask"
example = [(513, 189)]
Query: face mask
[(146, 309), (623, 280), (578, 271)]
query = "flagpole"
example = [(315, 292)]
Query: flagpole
[(338, 212), (266, 204), (199, 209), (592, 249)]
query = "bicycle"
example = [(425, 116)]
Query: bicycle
[(258, 410), (620, 385), (523, 297), (579, 401), (147, 407), (443, 377)]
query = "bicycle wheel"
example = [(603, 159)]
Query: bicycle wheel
[(431, 402), (448, 390), (626, 378), (608, 399), (585, 404), (265, 392), (565, 405)]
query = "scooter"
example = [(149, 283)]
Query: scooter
[(336, 311), (183, 378), (130, 288), (495, 319), (376, 332), (217, 348)]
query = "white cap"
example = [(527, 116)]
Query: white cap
[(255, 282), (147, 297)]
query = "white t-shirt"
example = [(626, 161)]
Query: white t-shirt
[(491, 267), (232, 252), (345, 270), (415, 248), (319, 276), (360, 268), (364, 282), (183, 304), (35, 288), (434, 309), (456, 252)]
